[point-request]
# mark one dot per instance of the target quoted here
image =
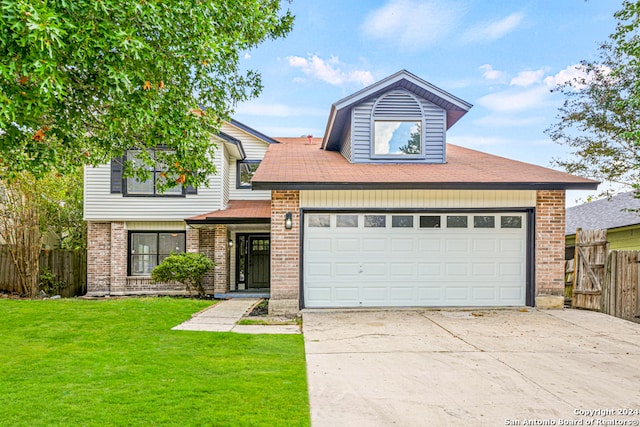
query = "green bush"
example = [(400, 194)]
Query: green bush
[(186, 268), (50, 283)]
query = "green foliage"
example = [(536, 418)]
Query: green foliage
[(118, 363), (50, 283), (186, 268), (413, 144), (82, 81), (600, 118)]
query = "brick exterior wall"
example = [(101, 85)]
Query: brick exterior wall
[(221, 258), (118, 258), (193, 239), (98, 258), (550, 223), (285, 253)]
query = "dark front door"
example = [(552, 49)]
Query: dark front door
[(258, 261)]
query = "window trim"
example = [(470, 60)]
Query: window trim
[(157, 234), (238, 166), (154, 172)]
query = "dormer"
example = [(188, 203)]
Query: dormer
[(400, 119)]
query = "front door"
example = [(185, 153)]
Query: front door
[(254, 260)]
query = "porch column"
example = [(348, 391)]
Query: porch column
[(221, 258), (549, 259), (285, 253), (98, 258)]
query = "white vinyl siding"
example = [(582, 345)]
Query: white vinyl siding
[(434, 199), (101, 205), (254, 149), (155, 225), (226, 180)]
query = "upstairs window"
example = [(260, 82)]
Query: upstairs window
[(401, 138), (246, 170), (397, 125), (150, 187)]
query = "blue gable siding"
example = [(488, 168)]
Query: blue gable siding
[(395, 104)]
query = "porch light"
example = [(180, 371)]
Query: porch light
[(230, 243), (288, 222)]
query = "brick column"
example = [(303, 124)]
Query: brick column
[(550, 223), (206, 244), (193, 239), (98, 258), (221, 258), (118, 258), (285, 253)]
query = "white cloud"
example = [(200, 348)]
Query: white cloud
[(489, 31), (279, 110), (511, 101), (527, 78), (490, 74), (247, 55), (384, 133), (412, 24), (330, 70), (569, 74)]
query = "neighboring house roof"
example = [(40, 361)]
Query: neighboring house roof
[(253, 132), (603, 214), (237, 212), (340, 115), (296, 164)]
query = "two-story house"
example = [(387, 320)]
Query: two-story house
[(379, 212)]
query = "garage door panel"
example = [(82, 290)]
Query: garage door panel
[(402, 269), (345, 269), (403, 245), (320, 270), (430, 245), (347, 245), (403, 266), (430, 269), (319, 245), (457, 245), (347, 294), (375, 245)]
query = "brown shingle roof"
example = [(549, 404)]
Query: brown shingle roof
[(296, 164), (237, 211)]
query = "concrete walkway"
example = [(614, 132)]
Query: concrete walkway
[(222, 317)]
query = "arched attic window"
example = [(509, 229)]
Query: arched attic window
[(397, 125)]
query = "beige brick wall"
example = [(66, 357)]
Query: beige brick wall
[(285, 253), (550, 222)]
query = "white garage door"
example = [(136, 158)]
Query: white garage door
[(429, 260)]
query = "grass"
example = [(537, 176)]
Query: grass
[(116, 363)]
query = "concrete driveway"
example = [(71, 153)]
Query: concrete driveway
[(483, 367)]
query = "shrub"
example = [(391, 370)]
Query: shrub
[(50, 283), (186, 268)]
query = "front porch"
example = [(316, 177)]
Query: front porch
[(238, 240)]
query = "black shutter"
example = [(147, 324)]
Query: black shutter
[(191, 190), (116, 174)]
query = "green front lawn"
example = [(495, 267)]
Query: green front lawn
[(117, 363)]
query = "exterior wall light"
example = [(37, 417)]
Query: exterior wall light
[(288, 221), (230, 243)]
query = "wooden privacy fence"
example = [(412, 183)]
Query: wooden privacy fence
[(604, 280), (68, 266)]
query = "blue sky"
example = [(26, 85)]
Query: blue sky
[(501, 56)]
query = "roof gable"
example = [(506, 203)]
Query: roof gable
[(340, 115)]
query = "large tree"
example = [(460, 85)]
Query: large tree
[(600, 118), (82, 81)]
